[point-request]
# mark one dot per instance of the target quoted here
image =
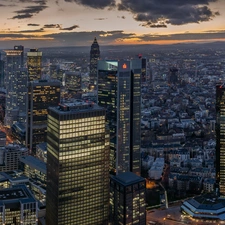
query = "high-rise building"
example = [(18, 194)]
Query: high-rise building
[(173, 75), (34, 64), (9, 156), (73, 83), (2, 73), (77, 165), (220, 137), (41, 95), (127, 199), (119, 91), (94, 57), (20, 48), (18, 206), (143, 68), (22, 94), (13, 67)]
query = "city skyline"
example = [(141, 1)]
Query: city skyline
[(49, 23)]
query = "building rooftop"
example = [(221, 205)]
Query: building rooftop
[(207, 201), (13, 176), (34, 163), (76, 105), (127, 178), (19, 193)]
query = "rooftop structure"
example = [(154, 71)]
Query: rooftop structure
[(207, 206), (18, 206)]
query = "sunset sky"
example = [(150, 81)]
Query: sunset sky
[(42, 23)]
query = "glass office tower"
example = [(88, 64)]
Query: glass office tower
[(220, 137), (77, 165), (41, 95), (119, 91), (34, 64), (13, 67)]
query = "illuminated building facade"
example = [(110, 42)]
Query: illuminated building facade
[(41, 95), (34, 63), (18, 206), (220, 137), (94, 57), (143, 68), (13, 76), (119, 91), (77, 165), (73, 83), (127, 199)]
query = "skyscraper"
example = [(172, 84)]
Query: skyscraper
[(41, 95), (77, 165), (2, 73), (34, 63), (127, 198), (143, 68), (94, 57), (119, 91), (220, 137), (20, 48), (13, 66)]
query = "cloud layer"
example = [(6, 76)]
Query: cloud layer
[(97, 4), (160, 13)]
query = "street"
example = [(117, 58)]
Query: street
[(173, 216)]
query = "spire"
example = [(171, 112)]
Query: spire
[(95, 40)]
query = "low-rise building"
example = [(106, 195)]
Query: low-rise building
[(208, 184), (18, 206)]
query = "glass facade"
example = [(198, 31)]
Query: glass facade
[(119, 92), (220, 137), (77, 166), (127, 199), (41, 95), (94, 57), (13, 66), (34, 64)]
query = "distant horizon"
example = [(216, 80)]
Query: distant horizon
[(119, 44)]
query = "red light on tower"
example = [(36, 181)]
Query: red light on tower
[(124, 66)]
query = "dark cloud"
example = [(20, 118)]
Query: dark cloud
[(154, 25), (70, 28), (153, 13), (22, 16), (33, 24), (30, 11), (32, 31), (52, 26), (100, 18), (97, 4), (60, 27), (40, 2)]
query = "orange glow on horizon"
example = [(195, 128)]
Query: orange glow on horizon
[(164, 42)]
